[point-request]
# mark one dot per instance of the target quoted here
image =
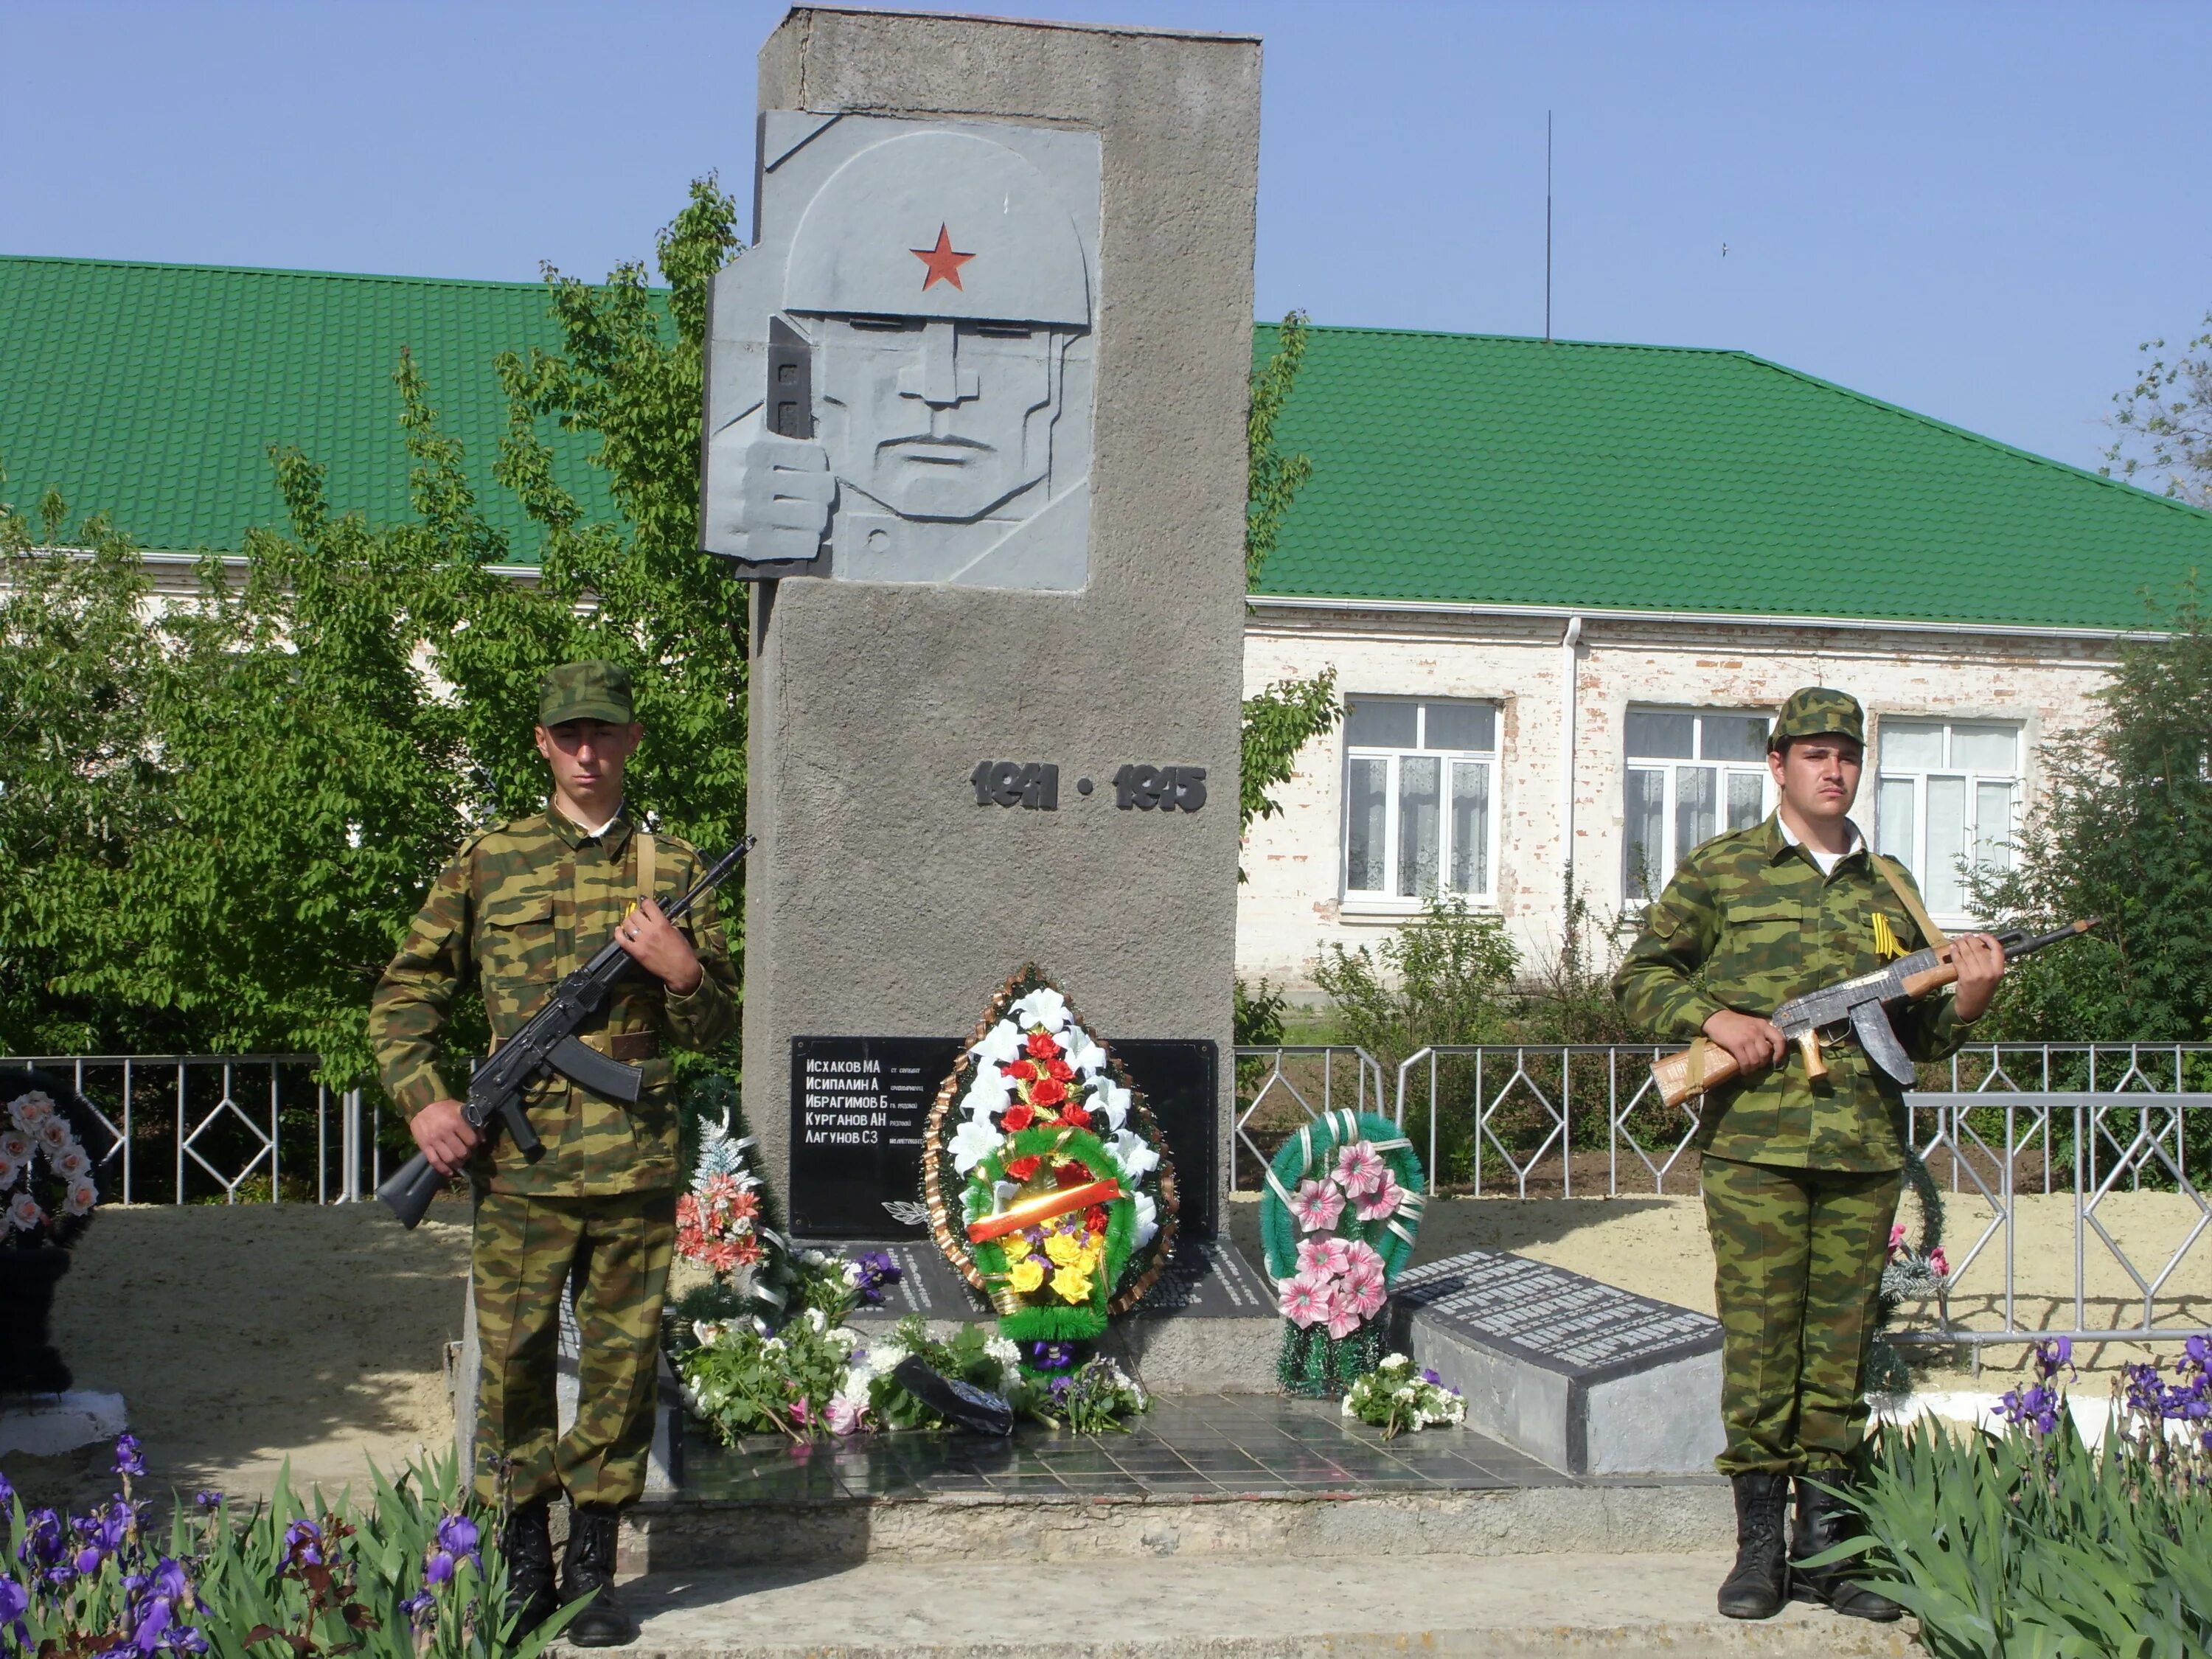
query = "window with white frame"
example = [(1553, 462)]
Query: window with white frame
[(1420, 790), (1690, 776), (1947, 795)]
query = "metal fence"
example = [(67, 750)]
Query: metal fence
[(1997, 1121), (231, 1129)]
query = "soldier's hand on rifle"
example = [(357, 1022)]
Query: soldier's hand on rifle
[(658, 946), (444, 1135), (1751, 1042), (1980, 960)]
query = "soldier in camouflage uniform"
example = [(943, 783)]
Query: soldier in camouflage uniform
[(519, 908), (1802, 1177)]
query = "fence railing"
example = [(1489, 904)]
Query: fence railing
[(1997, 1121), (229, 1127)]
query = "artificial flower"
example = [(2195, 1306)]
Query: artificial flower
[(1019, 1116), (1043, 1006), (29, 1110), (972, 1142), (1026, 1274), (1316, 1205), (1072, 1285), (999, 1044), (843, 1415), (1016, 1245), (1073, 1114), (1084, 1054), (1937, 1264), (1362, 1264), (1326, 1256), (1048, 1091), (14, 1146), (1021, 1169), (1024, 1071), (1133, 1156), (1382, 1202), (9, 1170), (83, 1195), (1062, 1250), (1041, 1046), (1366, 1299), (1344, 1316), (1359, 1168), (1896, 1239), (54, 1134), (1148, 1220), (24, 1214), (1305, 1300), (1112, 1099), (72, 1164)]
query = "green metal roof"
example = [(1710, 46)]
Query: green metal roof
[(1453, 467), (152, 392), (1481, 469)]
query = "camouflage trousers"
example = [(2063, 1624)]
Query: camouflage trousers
[(1797, 1260), (616, 1251)]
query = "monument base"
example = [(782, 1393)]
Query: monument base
[(1586, 1377), (46, 1425)]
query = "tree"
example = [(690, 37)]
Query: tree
[(1285, 717), (2124, 832), (2164, 421)]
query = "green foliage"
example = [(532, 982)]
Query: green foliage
[(1569, 989), (1446, 976), (2164, 421), (295, 1576), (1279, 722), (743, 1382), (1258, 1016), (1274, 477), (2027, 1544), (2124, 832), (221, 819), (1395, 1396)]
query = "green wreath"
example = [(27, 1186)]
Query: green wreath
[(1310, 1201), (1039, 1313)]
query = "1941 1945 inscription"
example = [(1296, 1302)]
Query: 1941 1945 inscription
[(1034, 787)]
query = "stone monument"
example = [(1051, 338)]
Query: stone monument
[(975, 428)]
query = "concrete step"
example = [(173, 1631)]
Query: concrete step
[(1016, 1606), (983, 1532)]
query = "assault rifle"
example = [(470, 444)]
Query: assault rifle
[(546, 1042), (1862, 1005)]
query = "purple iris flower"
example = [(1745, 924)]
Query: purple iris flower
[(208, 1500), (152, 1623), (1432, 1378), (171, 1584), (43, 1538), (2052, 1357), (421, 1609), (183, 1639), (438, 1569), (1060, 1385), (303, 1543), (7, 1493), (128, 1458), (457, 1535), (15, 1602), (2037, 1407)]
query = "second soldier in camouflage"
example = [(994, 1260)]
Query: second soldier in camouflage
[(518, 909), (1802, 1176)]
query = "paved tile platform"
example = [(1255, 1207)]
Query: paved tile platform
[(1188, 1446)]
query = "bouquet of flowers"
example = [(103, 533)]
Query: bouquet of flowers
[(1045, 1182), (1396, 1397), (726, 1224), (47, 1190), (1338, 1219)]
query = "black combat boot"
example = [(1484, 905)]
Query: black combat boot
[(528, 1547), (1824, 1521), (588, 1566), (1758, 1583)]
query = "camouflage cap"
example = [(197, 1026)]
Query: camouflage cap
[(586, 691), (1815, 711)]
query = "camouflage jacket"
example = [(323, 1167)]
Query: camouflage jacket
[(519, 908), (1747, 923)]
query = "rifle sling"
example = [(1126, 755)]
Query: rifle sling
[(1697, 1079), (1934, 935)]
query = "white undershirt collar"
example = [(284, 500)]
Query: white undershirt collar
[(1827, 861)]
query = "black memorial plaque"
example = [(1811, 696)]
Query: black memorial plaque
[(858, 1104), (1556, 1319)]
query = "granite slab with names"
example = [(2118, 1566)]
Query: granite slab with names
[(1587, 1377)]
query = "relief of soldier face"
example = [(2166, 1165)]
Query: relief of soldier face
[(933, 418)]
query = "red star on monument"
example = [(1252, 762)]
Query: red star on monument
[(943, 263)]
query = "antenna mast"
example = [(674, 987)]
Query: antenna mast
[(1547, 227)]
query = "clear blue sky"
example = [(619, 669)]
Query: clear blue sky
[(1975, 210)]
